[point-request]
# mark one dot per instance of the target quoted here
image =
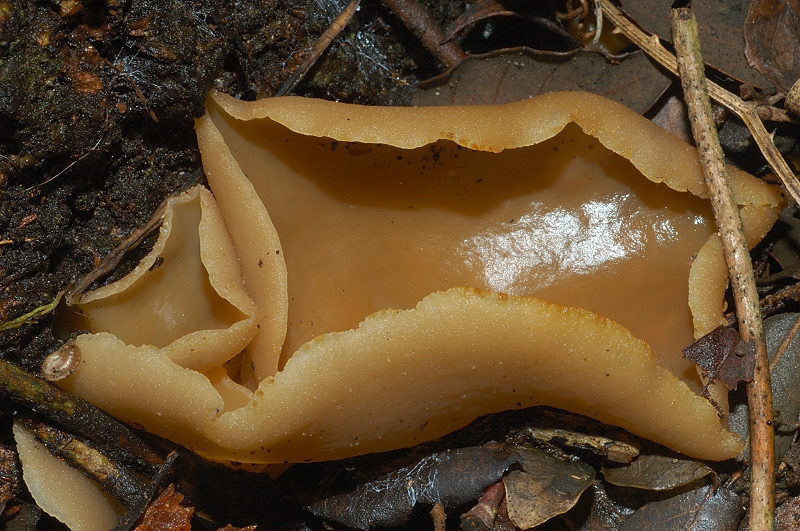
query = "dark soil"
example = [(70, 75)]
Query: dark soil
[(97, 102)]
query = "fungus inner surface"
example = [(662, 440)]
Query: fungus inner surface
[(366, 227)]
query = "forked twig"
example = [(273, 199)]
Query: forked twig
[(746, 111)]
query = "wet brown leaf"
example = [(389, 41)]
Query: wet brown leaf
[(720, 27), (703, 509), (513, 75), (723, 356), (606, 514), (656, 472), (544, 488), (452, 478), (772, 40)]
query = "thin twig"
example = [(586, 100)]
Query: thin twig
[(53, 403), (746, 111), (131, 242), (785, 344), (740, 267), (421, 23), (321, 45), (117, 480)]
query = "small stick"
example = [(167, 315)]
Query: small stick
[(124, 485), (421, 23), (439, 517), (321, 45), (60, 407), (740, 267), (482, 516), (136, 237), (746, 111)]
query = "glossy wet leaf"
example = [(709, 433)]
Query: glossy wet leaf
[(523, 73), (772, 40), (354, 495), (544, 488), (723, 356), (703, 509), (656, 472)]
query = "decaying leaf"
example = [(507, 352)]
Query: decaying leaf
[(772, 40), (166, 513), (451, 478), (656, 472), (723, 356), (605, 514), (784, 380), (576, 431), (703, 509), (523, 73), (544, 488), (719, 25), (787, 516)]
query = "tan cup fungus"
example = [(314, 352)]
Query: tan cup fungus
[(394, 273)]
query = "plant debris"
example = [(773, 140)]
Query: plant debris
[(657, 472), (723, 356), (772, 40), (451, 478), (166, 513), (544, 488), (703, 509)]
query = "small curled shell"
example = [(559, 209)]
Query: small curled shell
[(61, 363)]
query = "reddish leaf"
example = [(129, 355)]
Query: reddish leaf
[(723, 356), (166, 513), (772, 40)]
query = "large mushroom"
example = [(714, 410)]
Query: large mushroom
[(395, 273), (336, 212)]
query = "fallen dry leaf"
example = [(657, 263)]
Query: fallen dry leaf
[(720, 27), (656, 472), (723, 356), (784, 380), (772, 40), (451, 478), (544, 488), (523, 73), (703, 509)]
